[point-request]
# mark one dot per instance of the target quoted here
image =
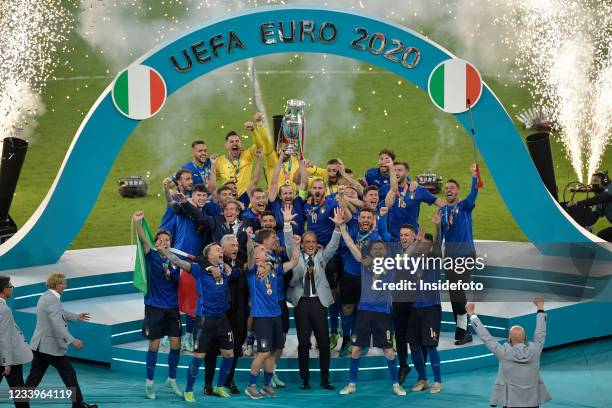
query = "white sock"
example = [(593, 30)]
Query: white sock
[(462, 321)]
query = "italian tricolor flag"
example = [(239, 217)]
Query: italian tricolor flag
[(452, 83), (139, 92)]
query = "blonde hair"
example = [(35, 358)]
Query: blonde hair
[(55, 279)]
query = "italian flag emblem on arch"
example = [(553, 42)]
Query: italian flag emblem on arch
[(139, 92), (452, 83)]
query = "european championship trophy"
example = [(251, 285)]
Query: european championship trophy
[(292, 131)]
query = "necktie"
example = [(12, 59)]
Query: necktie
[(309, 285)]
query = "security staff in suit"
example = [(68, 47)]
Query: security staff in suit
[(518, 383), (51, 339), (310, 294), (14, 351)]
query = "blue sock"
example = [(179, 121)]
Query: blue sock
[(173, 360), (354, 370), (225, 367), (333, 312), (347, 324), (267, 378), (192, 373), (434, 358), (392, 365), (419, 363), (252, 379), (189, 322), (151, 361)]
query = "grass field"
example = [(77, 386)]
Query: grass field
[(206, 109)]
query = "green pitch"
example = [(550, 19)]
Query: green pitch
[(357, 114)]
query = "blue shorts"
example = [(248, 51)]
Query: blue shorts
[(377, 326), (159, 322), (269, 333)]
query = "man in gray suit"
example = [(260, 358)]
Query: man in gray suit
[(51, 339), (518, 383), (310, 294), (14, 351)]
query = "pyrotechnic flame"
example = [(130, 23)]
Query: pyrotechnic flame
[(30, 33), (563, 48)]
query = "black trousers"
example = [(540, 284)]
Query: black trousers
[(237, 316), (62, 364), (15, 380), (401, 317), (311, 315)]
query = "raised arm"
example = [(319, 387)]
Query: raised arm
[(273, 183), (256, 174), (288, 218), (212, 176), (250, 248), (488, 340), (348, 241), (437, 247), (138, 216), (176, 260), (393, 188), (333, 243), (303, 186), (539, 336), (382, 224), (353, 183), (471, 197), (168, 183), (295, 256)]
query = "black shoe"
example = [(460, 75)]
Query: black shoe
[(84, 405), (305, 386), (402, 374), (467, 338), (233, 389), (208, 390), (459, 333), (325, 384)]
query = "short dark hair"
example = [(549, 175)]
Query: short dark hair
[(332, 161), (197, 142), (268, 213), (402, 163), (370, 188), (179, 173), (366, 209), (201, 188), (453, 181), (388, 152), (231, 133), (258, 190), (428, 237), (223, 188), (4, 281), (348, 171), (408, 226), (263, 234), (162, 232)]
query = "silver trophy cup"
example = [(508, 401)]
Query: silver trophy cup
[(292, 142)]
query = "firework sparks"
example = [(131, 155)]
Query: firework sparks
[(563, 48), (30, 33)]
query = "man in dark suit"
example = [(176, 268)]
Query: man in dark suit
[(51, 339), (14, 351)]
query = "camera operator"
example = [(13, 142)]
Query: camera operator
[(601, 203)]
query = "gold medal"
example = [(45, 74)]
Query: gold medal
[(233, 179), (287, 182), (269, 292), (314, 217)]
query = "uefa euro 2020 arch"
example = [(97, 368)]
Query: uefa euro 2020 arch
[(61, 215)]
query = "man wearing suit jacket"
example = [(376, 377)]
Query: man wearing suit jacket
[(310, 293), (518, 383), (51, 339), (14, 351)]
